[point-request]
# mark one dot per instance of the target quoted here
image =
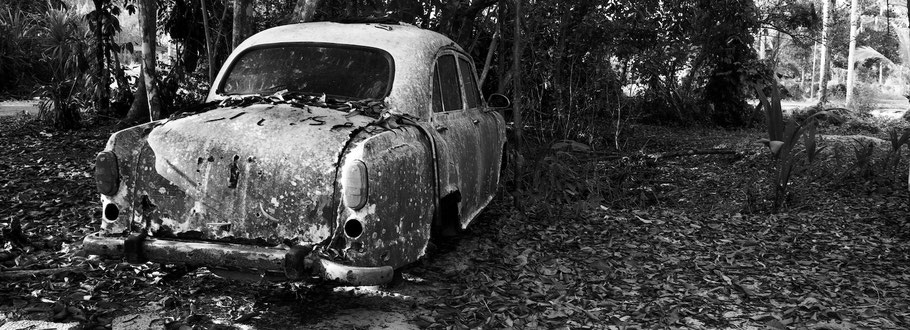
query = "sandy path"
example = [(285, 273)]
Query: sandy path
[(12, 108)]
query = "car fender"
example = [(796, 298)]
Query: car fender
[(393, 227)]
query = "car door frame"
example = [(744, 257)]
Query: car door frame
[(490, 133), (454, 164)]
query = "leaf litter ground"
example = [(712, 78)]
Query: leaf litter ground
[(695, 252)]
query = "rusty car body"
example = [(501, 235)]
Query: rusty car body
[(324, 151)]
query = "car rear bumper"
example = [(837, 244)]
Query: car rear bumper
[(297, 263)]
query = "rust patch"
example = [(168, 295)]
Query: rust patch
[(229, 182), (397, 218), (235, 173)]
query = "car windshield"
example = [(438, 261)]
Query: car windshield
[(335, 70)]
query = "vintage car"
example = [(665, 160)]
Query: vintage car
[(324, 151)]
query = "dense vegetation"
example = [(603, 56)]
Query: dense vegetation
[(638, 195)]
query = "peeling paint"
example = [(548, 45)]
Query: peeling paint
[(396, 231), (234, 172), (270, 174)]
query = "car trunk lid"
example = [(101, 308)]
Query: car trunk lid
[(264, 173)]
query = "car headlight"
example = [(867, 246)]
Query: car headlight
[(354, 184), (107, 175)]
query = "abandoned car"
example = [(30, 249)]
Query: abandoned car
[(324, 151)]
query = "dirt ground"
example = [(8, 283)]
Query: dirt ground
[(623, 243)]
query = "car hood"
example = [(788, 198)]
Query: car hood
[(261, 172)]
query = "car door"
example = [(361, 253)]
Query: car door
[(456, 137), (490, 136)]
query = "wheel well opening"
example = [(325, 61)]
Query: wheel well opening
[(448, 220)]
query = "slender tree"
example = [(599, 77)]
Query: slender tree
[(516, 67), (208, 40), (814, 69), (242, 13), (139, 110), (102, 95), (851, 58), (824, 59), (147, 21)]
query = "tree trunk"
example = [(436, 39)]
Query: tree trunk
[(802, 78), (102, 98), (851, 57), (304, 11), (761, 44), (501, 61), (825, 55), (208, 41), (221, 41), (489, 60), (881, 73), (516, 67), (776, 46), (147, 17), (140, 108), (241, 22), (124, 94), (814, 69)]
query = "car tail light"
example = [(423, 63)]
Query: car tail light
[(107, 176), (354, 184)]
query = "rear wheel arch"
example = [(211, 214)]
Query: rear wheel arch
[(447, 219)]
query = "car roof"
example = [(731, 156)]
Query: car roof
[(413, 50), (403, 39)]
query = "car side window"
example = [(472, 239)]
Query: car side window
[(437, 91), (449, 90), (472, 95)]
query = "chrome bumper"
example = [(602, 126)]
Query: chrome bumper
[(297, 263)]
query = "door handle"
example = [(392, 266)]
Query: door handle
[(476, 121), (441, 128)]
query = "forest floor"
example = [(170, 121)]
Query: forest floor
[(629, 243)]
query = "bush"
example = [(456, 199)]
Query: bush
[(865, 97), (838, 91), (835, 116), (792, 91), (17, 48)]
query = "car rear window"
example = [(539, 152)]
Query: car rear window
[(335, 70)]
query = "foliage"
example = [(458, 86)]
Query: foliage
[(783, 140), (62, 40), (865, 98), (17, 46), (870, 160), (180, 90), (104, 25), (184, 24)]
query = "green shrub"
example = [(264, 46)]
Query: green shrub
[(792, 90), (865, 97), (18, 44), (837, 92), (835, 116)]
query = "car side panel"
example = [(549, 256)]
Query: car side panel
[(491, 138), (398, 214), (456, 138)]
